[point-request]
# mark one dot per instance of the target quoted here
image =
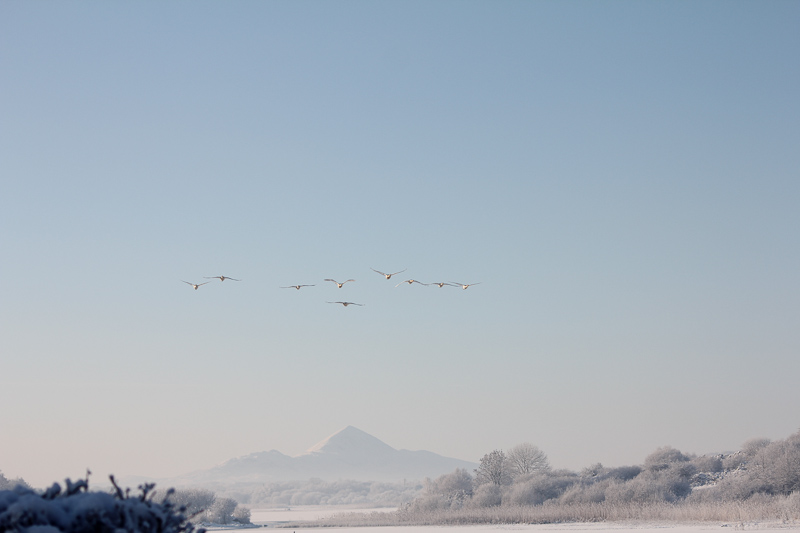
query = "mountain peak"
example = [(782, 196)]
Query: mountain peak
[(347, 454), (350, 440)]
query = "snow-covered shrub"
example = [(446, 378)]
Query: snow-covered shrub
[(776, 466), (241, 515), (663, 457), (762, 467), (587, 492), (650, 487), (535, 489), (221, 511), (598, 472), (487, 495), (194, 500), (452, 489), (708, 463), (624, 473), (6, 484), (76, 510)]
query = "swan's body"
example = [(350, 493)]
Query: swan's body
[(388, 276), (195, 285), (337, 283)]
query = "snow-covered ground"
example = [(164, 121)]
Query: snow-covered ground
[(272, 517), (572, 527), (307, 512)]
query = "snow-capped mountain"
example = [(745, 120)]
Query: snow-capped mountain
[(348, 454)]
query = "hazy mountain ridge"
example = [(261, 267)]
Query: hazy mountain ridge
[(347, 454)]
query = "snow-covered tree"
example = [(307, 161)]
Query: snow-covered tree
[(221, 511), (663, 457), (195, 500), (494, 468), (526, 458)]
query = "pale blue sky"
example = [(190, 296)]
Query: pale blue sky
[(621, 177)]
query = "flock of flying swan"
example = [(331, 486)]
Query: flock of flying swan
[(339, 285)]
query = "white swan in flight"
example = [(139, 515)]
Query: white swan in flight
[(465, 286), (196, 285), (443, 283), (337, 283), (296, 286), (410, 281), (221, 278), (344, 303), (388, 276)]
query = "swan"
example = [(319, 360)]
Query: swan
[(196, 285), (388, 276), (410, 281), (337, 283), (465, 286)]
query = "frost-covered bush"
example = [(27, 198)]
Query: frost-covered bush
[(487, 495), (651, 487), (663, 457), (76, 510), (6, 484), (763, 467), (194, 500), (624, 473), (587, 492), (241, 515), (749, 449), (598, 472), (448, 491), (455, 487), (753, 446), (221, 511), (776, 467), (536, 489), (708, 463)]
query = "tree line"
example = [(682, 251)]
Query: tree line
[(523, 476)]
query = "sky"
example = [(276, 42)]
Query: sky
[(621, 180)]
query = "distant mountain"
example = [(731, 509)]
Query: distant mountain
[(348, 454)]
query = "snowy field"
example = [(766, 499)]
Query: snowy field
[(274, 517), (307, 512), (589, 527)]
